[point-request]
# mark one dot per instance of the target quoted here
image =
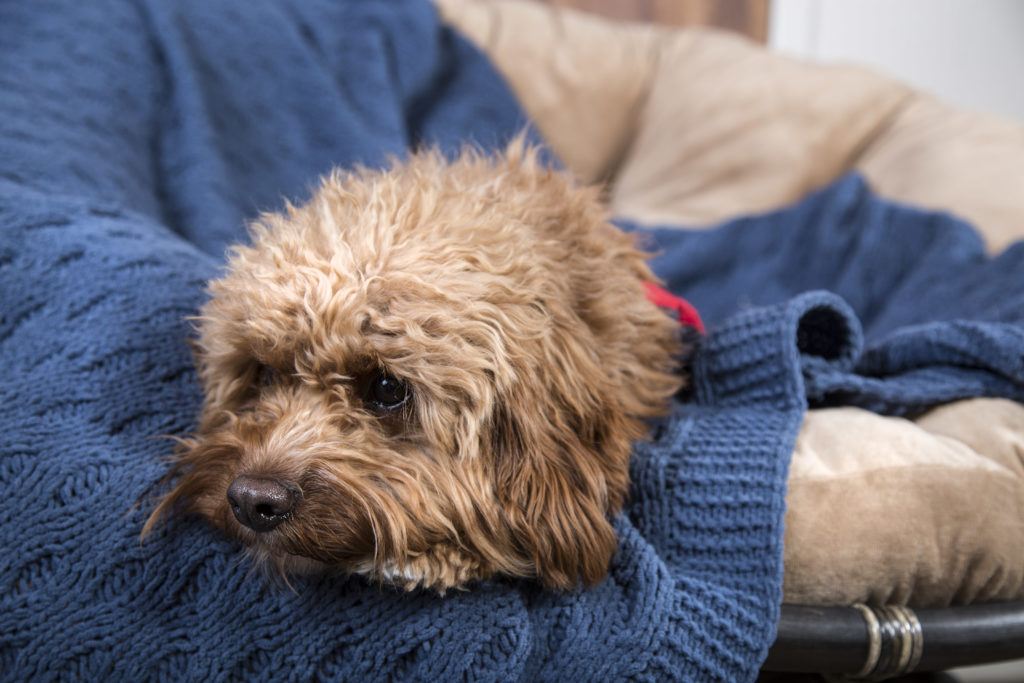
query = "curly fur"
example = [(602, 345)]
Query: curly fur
[(498, 292)]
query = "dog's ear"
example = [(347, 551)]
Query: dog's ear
[(553, 500), (561, 451)]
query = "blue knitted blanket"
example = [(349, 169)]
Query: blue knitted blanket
[(135, 140)]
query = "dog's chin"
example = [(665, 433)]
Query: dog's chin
[(277, 556), (279, 566), (439, 574)]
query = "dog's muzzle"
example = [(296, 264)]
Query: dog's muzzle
[(260, 503)]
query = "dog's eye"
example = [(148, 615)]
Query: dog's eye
[(386, 392)]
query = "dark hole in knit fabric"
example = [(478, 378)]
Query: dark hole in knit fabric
[(823, 332)]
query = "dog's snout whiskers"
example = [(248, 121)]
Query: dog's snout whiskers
[(260, 503)]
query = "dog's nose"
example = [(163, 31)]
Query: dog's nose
[(260, 503)]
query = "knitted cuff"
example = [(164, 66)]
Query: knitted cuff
[(760, 356)]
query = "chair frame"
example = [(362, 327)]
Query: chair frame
[(875, 643)]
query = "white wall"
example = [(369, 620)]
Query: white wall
[(969, 52)]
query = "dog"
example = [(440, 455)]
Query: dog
[(428, 375)]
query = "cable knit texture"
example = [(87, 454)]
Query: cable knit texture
[(135, 140)]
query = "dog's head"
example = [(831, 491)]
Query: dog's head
[(428, 374)]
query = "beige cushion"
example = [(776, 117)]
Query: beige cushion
[(694, 126), (883, 510)]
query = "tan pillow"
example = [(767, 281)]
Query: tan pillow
[(883, 510)]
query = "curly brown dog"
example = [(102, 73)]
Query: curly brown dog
[(428, 375)]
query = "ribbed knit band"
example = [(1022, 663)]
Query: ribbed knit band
[(758, 356)]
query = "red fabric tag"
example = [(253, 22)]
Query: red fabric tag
[(683, 309)]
